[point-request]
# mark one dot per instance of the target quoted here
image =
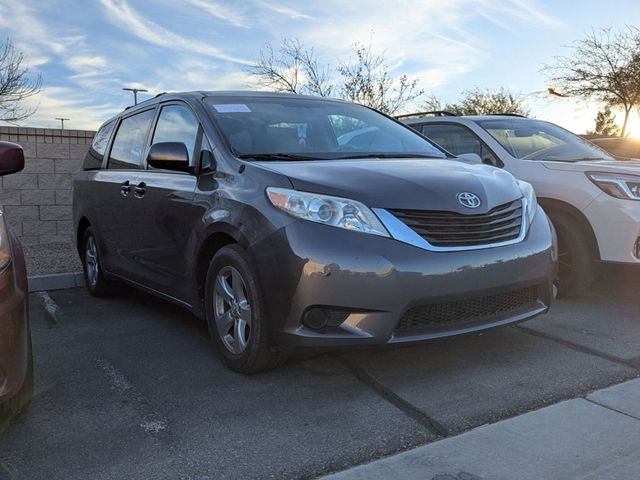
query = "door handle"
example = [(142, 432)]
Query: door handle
[(140, 190), (125, 189)]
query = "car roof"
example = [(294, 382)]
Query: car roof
[(200, 94), (464, 118)]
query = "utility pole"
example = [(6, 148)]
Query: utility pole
[(61, 121), (135, 93)]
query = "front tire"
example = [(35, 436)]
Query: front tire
[(235, 313), (97, 284), (575, 258)]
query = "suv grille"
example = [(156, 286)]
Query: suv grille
[(451, 229), (453, 314)]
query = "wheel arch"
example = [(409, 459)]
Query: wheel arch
[(551, 206), (214, 239), (83, 224)]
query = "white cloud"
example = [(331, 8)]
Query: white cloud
[(221, 11), (283, 10), (122, 15)]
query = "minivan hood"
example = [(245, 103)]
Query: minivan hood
[(613, 166), (420, 184)]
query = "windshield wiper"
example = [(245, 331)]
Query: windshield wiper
[(278, 156), (387, 155)]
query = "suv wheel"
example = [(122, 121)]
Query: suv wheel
[(575, 261), (94, 279), (22, 398), (235, 313)]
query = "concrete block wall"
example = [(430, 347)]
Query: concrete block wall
[(37, 201)]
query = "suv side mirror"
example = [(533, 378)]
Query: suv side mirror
[(169, 156), (11, 158)]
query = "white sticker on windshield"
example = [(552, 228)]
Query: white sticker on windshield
[(231, 108)]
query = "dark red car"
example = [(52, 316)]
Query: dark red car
[(16, 360)]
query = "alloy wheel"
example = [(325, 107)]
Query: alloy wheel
[(92, 263), (232, 310)]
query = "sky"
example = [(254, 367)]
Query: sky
[(87, 51)]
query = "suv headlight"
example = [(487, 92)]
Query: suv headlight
[(531, 202), (617, 185), (5, 248), (328, 210)]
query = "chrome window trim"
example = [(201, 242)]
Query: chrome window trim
[(403, 233)]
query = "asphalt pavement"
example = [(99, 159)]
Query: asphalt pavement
[(130, 387)]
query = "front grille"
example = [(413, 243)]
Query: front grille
[(452, 229), (471, 310)]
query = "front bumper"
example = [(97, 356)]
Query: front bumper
[(379, 281), (13, 325), (616, 225)]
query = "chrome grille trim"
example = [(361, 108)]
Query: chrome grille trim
[(402, 232)]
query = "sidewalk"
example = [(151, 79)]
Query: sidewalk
[(597, 437)]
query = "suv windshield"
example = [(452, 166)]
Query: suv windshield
[(537, 140), (289, 128)]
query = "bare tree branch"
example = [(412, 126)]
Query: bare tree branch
[(293, 68), (15, 85), (367, 81), (604, 66)]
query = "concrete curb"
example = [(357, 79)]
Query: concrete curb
[(56, 281)]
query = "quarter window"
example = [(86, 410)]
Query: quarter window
[(129, 144), (177, 124), (458, 140), (93, 160)]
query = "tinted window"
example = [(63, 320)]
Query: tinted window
[(458, 140), (129, 144), (93, 160), (300, 128), (536, 140), (207, 158), (177, 124)]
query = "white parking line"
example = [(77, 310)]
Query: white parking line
[(51, 308), (152, 421)]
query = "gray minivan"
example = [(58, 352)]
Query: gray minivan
[(289, 221)]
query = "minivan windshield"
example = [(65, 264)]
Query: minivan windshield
[(289, 128), (529, 139)]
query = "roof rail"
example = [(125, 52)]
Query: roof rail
[(144, 101), (510, 115), (436, 113)]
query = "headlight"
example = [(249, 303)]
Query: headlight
[(617, 185), (531, 203), (5, 249), (328, 210)]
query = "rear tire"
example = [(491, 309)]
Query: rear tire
[(21, 400), (235, 313), (95, 281), (575, 257)]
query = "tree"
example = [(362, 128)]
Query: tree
[(365, 79), (606, 124), (293, 68), (603, 66), (16, 85), (481, 102)]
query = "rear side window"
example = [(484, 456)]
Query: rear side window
[(177, 124), (93, 160), (458, 140), (129, 144)]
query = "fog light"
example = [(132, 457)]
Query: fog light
[(636, 248), (319, 318)]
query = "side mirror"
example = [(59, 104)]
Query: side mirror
[(11, 158), (169, 156), (470, 158)]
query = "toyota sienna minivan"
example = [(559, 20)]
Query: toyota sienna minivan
[(289, 221)]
